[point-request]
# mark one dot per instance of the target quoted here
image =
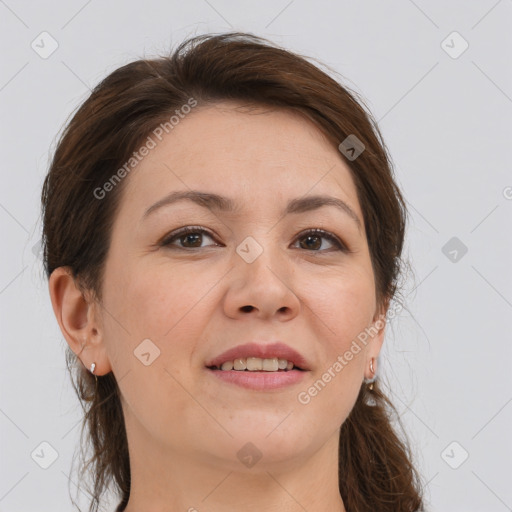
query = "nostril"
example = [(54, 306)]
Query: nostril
[(247, 308)]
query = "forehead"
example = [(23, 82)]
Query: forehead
[(247, 153)]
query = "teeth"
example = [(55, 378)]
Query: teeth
[(239, 364), (254, 364), (270, 365)]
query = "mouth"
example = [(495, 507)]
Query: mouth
[(273, 357), (259, 366), (257, 371)]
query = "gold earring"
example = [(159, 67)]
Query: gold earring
[(92, 368), (370, 387)]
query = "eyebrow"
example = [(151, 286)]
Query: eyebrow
[(220, 203)]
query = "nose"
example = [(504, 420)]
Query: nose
[(262, 288)]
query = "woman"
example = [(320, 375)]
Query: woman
[(222, 237)]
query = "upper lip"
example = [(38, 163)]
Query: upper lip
[(264, 351)]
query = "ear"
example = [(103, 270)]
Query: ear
[(79, 320), (377, 331)]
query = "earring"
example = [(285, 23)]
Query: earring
[(91, 369), (370, 387)]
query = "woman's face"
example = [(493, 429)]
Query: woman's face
[(169, 308)]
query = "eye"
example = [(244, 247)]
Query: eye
[(313, 240), (190, 236)]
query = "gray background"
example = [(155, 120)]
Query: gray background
[(446, 117)]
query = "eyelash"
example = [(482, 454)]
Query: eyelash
[(166, 242)]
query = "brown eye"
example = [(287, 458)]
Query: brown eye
[(190, 237), (194, 239), (311, 240)]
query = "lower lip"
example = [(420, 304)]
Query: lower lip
[(260, 380)]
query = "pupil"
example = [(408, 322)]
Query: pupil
[(189, 236), (313, 237)]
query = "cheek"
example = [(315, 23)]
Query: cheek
[(342, 308), (344, 301), (158, 302), (166, 308)]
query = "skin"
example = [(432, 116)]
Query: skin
[(185, 426)]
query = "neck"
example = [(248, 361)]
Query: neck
[(165, 480)]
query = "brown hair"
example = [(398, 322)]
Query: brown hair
[(375, 463)]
